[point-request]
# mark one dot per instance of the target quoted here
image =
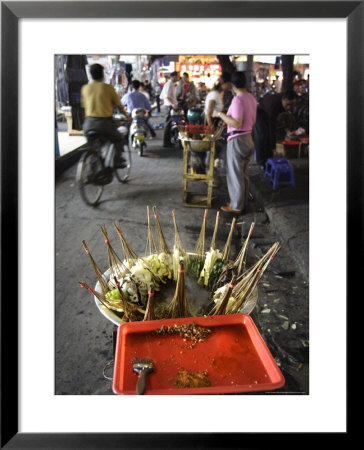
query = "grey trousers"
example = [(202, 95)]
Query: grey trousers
[(106, 127), (238, 154)]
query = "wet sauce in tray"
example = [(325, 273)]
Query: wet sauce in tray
[(233, 355)]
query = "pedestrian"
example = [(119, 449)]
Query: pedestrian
[(201, 92), (274, 104), (157, 93), (228, 93), (168, 94), (262, 139), (99, 100), (148, 88), (186, 92), (136, 99), (240, 119), (144, 91), (213, 102)]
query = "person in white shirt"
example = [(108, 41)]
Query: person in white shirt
[(168, 94), (170, 102), (213, 102)]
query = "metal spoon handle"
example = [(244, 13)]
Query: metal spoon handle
[(140, 387)]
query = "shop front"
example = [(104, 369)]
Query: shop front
[(200, 68)]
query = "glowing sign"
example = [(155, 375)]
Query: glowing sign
[(198, 69)]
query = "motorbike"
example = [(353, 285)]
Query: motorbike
[(176, 117), (139, 130)]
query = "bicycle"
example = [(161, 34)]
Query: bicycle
[(97, 168)]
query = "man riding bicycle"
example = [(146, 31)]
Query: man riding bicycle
[(99, 100)]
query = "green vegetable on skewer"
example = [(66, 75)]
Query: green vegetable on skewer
[(114, 294), (216, 271)]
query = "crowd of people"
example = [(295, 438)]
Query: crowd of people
[(252, 125)]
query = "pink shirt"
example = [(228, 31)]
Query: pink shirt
[(243, 106)]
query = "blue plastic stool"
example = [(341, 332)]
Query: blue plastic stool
[(280, 172), (272, 163)]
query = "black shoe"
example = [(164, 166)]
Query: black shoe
[(120, 163)]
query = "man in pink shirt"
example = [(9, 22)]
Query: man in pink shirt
[(240, 119)]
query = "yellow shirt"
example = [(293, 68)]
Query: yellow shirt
[(99, 99)]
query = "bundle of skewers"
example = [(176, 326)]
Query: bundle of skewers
[(130, 286)]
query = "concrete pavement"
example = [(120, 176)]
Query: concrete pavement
[(287, 209)]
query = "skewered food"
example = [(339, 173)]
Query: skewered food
[(132, 286)]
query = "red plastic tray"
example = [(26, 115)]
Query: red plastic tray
[(234, 355), (290, 143)]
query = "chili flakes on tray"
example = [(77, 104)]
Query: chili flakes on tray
[(186, 379), (192, 331)]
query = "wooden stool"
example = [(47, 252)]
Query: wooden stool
[(189, 198)]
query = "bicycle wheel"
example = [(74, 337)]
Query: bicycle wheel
[(122, 174), (90, 164)]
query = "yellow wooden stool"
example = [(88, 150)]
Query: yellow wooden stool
[(192, 199)]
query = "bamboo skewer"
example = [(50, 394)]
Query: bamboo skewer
[(221, 305), (211, 257), (240, 262), (246, 283), (200, 244), (163, 247), (196, 261), (179, 306), (224, 274), (178, 250), (130, 257), (129, 254), (129, 310), (238, 266), (226, 250), (100, 276), (177, 237), (151, 246), (117, 267), (245, 287), (149, 312), (214, 236)]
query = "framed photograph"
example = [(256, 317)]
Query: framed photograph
[(27, 223)]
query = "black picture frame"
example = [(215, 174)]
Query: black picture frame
[(11, 12)]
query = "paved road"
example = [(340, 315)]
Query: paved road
[(84, 337)]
